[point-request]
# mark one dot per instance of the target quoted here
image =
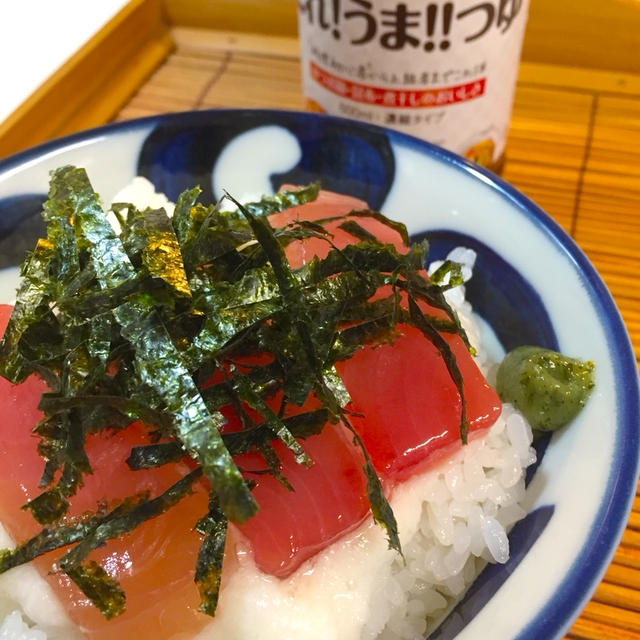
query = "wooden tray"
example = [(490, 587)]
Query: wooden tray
[(574, 145)]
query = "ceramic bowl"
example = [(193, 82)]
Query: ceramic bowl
[(532, 284)]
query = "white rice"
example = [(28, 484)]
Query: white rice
[(452, 521), (468, 505)]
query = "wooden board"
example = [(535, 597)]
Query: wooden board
[(574, 147)]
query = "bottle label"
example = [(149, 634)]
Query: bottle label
[(443, 71)]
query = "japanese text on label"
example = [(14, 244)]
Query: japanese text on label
[(430, 27)]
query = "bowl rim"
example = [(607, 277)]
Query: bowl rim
[(554, 618)]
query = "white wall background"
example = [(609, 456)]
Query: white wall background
[(38, 36)]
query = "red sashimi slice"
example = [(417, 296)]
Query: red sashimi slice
[(407, 407), (410, 408), (329, 204), (330, 498)]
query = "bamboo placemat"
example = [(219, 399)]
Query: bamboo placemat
[(574, 148)]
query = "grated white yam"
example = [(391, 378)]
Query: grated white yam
[(24, 594)]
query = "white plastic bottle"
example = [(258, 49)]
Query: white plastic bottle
[(445, 71)]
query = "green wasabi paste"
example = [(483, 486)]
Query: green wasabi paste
[(548, 387)]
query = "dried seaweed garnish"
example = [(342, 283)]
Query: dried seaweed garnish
[(30, 303), (149, 236), (448, 268), (147, 456), (211, 556), (380, 507), (422, 323), (176, 319)]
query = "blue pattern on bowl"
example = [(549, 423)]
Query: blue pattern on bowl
[(20, 226), (352, 160), (498, 292), (176, 150)]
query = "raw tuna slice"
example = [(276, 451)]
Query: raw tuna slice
[(411, 407)]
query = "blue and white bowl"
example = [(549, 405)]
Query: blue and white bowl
[(531, 284)]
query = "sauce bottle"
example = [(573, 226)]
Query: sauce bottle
[(444, 71)]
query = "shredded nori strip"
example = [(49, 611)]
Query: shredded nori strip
[(211, 556), (176, 319)]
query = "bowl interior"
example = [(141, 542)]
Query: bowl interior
[(531, 285)]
